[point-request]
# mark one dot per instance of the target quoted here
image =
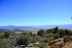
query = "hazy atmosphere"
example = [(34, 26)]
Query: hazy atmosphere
[(35, 23), (35, 12)]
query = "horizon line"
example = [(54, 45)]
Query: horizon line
[(35, 25)]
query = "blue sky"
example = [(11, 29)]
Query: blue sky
[(35, 12)]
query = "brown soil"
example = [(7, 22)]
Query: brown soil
[(68, 45)]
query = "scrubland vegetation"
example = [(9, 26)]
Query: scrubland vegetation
[(50, 38)]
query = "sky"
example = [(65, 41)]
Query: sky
[(35, 12)]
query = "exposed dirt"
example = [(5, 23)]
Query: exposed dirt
[(68, 45)]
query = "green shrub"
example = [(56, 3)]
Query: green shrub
[(43, 45), (67, 38)]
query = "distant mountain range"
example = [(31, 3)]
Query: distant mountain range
[(11, 27)]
